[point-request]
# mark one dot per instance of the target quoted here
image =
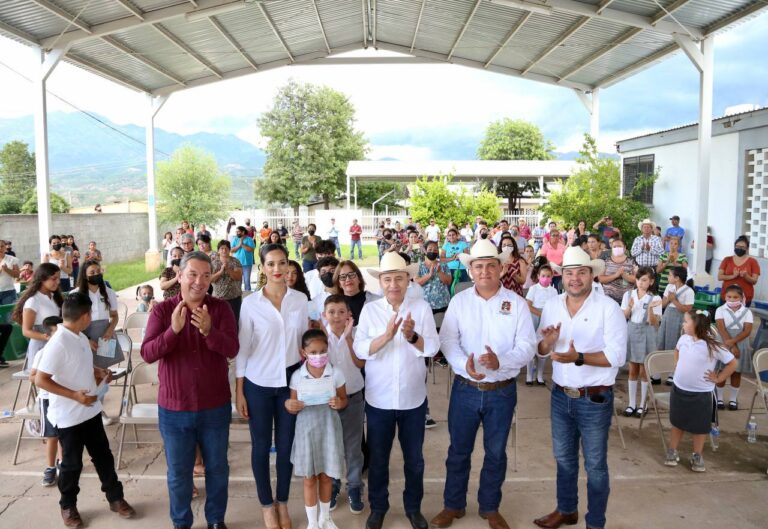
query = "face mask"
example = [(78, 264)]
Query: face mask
[(618, 251), (387, 236), (545, 281), (96, 279), (734, 305), (317, 360), (484, 235), (327, 279), (741, 252), (432, 255), (146, 298), (506, 247), (57, 247), (175, 262), (311, 232)]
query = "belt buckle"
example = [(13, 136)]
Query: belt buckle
[(573, 393)]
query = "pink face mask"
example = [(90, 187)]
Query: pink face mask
[(318, 360), (545, 281), (734, 305), (618, 251)]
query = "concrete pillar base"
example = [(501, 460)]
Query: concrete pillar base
[(152, 260)]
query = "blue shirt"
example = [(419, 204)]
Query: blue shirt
[(674, 231), (451, 249), (245, 257)]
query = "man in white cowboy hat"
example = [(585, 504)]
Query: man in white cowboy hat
[(586, 336), (647, 247), (487, 336), (394, 335)]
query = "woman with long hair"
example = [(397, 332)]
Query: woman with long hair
[(515, 269), (294, 278), (41, 299), (104, 303), (59, 256)]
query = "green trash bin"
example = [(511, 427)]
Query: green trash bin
[(708, 301), (17, 345)]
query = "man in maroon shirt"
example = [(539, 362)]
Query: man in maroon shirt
[(355, 231), (193, 335)]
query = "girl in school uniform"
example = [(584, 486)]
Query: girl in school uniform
[(538, 295), (642, 307), (677, 299), (318, 446), (690, 403), (734, 323)]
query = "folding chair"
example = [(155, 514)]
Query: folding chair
[(656, 364), (618, 426), (122, 372), (135, 326), (122, 314), (28, 413), (760, 364), (515, 427), (135, 413)]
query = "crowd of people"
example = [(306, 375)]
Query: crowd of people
[(326, 372)]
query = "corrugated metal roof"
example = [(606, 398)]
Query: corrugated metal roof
[(161, 46)]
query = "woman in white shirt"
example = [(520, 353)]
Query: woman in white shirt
[(103, 308), (272, 321), (58, 255)]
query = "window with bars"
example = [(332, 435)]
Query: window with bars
[(756, 202), (635, 169)]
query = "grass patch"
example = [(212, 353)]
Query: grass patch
[(127, 274), (370, 255)]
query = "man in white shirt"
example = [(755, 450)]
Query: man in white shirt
[(333, 236), (394, 336), (585, 334), (503, 228), (487, 336), (9, 271), (433, 231)]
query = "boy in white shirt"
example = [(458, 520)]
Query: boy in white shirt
[(66, 371)]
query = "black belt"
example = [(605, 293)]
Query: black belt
[(484, 386), (576, 393)]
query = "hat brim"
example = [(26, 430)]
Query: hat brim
[(412, 270), (641, 224), (597, 266), (467, 259)]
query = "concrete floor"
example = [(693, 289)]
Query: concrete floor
[(645, 493)]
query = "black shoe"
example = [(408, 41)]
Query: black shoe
[(375, 520), (219, 525), (176, 526), (417, 520), (529, 382), (655, 381)]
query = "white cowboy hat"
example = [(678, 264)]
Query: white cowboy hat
[(483, 249), (393, 262), (575, 257), (646, 221)]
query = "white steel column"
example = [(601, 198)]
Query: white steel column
[(541, 198), (706, 82), (348, 192), (152, 256), (592, 104)]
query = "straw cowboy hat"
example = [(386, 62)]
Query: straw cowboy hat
[(575, 257), (646, 221), (393, 262), (483, 249)]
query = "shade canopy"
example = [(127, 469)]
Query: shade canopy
[(462, 170)]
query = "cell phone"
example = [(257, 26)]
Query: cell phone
[(598, 399)]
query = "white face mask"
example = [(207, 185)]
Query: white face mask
[(617, 251)]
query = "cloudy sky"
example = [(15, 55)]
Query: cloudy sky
[(419, 112)]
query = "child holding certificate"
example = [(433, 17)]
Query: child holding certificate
[(317, 393)]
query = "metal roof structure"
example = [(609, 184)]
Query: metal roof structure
[(462, 170), (162, 46)]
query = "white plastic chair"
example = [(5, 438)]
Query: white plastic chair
[(760, 364), (135, 413)]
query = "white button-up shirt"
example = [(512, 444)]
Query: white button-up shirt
[(340, 357), (270, 339), (502, 323), (599, 325), (395, 376)]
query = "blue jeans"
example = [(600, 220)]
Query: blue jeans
[(381, 434), (7, 297), (267, 405), (182, 431), (359, 245), (247, 277), (468, 409), (584, 420), (297, 249), (335, 240)]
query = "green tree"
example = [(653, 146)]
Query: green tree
[(593, 192), (191, 187), (433, 198), (369, 192), (514, 139), (311, 138), (58, 204), (17, 176)]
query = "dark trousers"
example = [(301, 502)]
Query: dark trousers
[(381, 434), (91, 435), (236, 303), (5, 334)]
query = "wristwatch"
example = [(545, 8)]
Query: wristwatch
[(580, 360), (414, 338)]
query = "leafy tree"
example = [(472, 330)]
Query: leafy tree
[(58, 204), (369, 192), (311, 138), (191, 187), (593, 192), (433, 198), (509, 139), (17, 176)]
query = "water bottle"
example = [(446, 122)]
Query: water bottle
[(752, 430), (715, 437)]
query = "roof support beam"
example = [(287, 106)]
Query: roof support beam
[(464, 28), (135, 11), (666, 11), (193, 2), (365, 24), (320, 23), (189, 51), (232, 42), (275, 31), (512, 32), (637, 66), (143, 60), (591, 102), (418, 24), (375, 10), (23, 35), (603, 5), (727, 21), (623, 39), (559, 42), (64, 15), (692, 50), (103, 72)]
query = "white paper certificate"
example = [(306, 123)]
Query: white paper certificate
[(315, 391)]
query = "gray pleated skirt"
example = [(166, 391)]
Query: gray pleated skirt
[(691, 411), (318, 445), (670, 329), (641, 340)]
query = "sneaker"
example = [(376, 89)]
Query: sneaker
[(697, 462), (327, 524), (335, 489), (356, 504), (669, 381), (106, 420), (672, 458), (429, 423), (49, 477)]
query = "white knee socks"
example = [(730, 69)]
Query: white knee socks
[(540, 363), (643, 393), (633, 394), (719, 392), (529, 370), (734, 394), (311, 515)]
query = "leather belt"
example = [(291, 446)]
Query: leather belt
[(484, 386), (577, 393)]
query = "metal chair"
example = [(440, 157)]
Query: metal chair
[(135, 327), (135, 413), (656, 364), (122, 314), (760, 364)]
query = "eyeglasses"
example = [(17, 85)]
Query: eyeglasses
[(348, 277)]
